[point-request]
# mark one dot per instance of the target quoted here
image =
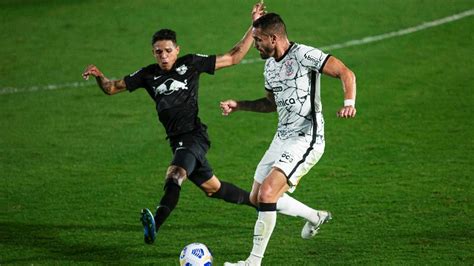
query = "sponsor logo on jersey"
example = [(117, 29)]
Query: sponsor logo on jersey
[(316, 61), (182, 69), (277, 89), (170, 86), (285, 102), (157, 77)]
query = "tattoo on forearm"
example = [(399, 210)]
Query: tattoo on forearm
[(110, 86), (263, 105), (104, 84), (236, 49)]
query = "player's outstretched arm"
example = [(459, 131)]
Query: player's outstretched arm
[(108, 86), (335, 68), (263, 105), (237, 53)]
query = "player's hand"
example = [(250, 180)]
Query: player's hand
[(258, 10), (228, 107), (91, 70), (347, 112)]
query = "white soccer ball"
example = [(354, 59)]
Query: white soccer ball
[(195, 254)]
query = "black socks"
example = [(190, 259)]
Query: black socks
[(168, 202), (233, 194), (227, 191)]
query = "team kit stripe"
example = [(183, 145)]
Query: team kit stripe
[(315, 123)]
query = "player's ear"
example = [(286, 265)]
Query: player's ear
[(273, 38), (177, 49)]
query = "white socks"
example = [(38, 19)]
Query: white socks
[(262, 232), (292, 207), (267, 220)]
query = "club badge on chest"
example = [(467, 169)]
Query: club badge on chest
[(181, 69)]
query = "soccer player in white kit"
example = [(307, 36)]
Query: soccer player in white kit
[(292, 81)]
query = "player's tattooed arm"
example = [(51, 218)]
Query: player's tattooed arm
[(262, 105), (238, 52), (108, 86), (111, 87)]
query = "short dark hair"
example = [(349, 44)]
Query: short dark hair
[(164, 35), (270, 23)]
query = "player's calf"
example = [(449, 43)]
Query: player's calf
[(231, 193)]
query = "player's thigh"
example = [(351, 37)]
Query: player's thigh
[(274, 185), (203, 176), (265, 165), (297, 157), (184, 159)]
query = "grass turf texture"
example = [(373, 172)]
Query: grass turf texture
[(77, 166)]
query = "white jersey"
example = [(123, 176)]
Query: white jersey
[(295, 83)]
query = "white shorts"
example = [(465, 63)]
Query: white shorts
[(295, 156)]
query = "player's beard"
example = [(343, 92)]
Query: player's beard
[(264, 56), (265, 53)]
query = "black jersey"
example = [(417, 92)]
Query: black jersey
[(175, 92)]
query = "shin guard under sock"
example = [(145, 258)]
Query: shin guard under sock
[(263, 230), (167, 203)]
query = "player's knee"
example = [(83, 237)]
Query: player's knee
[(211, 186), (210, 194), (210, 190), (176, 175), (266, 194), (253, 198)]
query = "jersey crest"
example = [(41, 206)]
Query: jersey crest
[(182, 69), (290, 68)]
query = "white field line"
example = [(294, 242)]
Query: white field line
[(402, 32), (365, 40)]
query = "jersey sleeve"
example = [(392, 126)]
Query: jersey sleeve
[(205, 63), (313, 58), (135, 80)]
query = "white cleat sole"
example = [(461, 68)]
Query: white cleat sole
[(310, 230)]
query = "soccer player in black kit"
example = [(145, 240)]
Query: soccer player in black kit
[(173, 84)]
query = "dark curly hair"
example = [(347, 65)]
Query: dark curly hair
[(164, 34)]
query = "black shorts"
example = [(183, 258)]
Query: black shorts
[(189, 152)]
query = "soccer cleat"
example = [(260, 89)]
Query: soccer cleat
[(311, 229), (149, 228)]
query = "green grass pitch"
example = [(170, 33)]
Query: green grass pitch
[(77, 166)]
